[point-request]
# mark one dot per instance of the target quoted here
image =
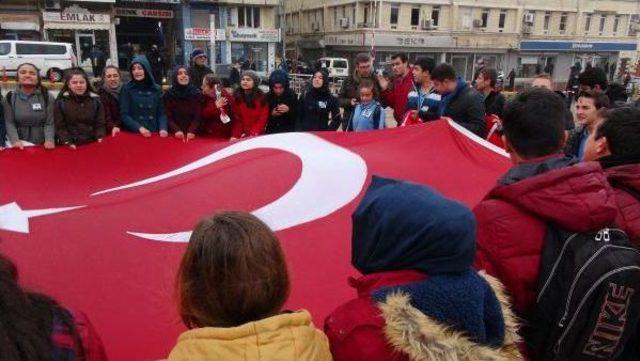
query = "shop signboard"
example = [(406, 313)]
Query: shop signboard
[(144, 13), (203, 34), (576, 46), (255, 35)]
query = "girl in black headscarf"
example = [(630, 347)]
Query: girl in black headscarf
[(182, 104), (317, 104)]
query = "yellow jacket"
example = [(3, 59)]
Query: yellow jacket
[(284, 337)]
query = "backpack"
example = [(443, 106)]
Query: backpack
[(588, 303)]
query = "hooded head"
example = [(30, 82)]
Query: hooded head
[(148, 75), (279, 77), (178, 90), (405, 226)]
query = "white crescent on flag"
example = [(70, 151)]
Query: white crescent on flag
[(325, 165)]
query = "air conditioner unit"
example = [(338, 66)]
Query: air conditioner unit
[(315, 26), (52, 4), (344, 23), (527, 29), (427, 24), (477, 23), (528, 18)]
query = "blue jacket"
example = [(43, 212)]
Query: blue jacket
[(141, 103), (367, 117), (427, 105)]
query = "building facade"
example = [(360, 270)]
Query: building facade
[(528, 36), (246, 30)]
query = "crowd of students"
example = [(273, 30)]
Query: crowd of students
[(439, 281)]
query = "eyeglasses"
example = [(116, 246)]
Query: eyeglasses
[(201, 56)]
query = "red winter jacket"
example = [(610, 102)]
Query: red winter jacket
[(355, 329), (249, 121), (512, 219), (210, 117), (398, 96), (625, 179)]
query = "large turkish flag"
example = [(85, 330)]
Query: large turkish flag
[(116, 257)]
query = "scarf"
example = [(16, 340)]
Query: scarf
[(179, 91), (113, 92)]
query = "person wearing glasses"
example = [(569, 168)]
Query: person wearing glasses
[(198, 68)]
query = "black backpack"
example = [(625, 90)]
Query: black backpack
[(588, 303)]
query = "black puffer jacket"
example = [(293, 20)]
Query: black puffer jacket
[(465, 106), (316, 105), (285, 122)]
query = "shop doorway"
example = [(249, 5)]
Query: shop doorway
[(84, 43), (137, 35)]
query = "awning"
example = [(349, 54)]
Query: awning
[(19, 22), (18, 25), (75, 20), (76, 26)]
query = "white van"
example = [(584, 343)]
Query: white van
[(50, 58), (337, 67)]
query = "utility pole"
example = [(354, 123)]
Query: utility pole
[(283, 33)]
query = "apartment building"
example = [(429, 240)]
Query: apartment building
[(529, 36)]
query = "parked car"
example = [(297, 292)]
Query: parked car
[(337, 67), (50, 58)]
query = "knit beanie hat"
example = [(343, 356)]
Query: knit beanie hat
[(197, 52), (253, 75)]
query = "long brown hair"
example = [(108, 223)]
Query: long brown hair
[(27, 321), (70, 73), (233, 272)]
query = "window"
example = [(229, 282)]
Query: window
[(340, 64), (485, 18), (435, 15), (603, 19), (5, 48), (248, 17), (353, 14), (336, 20), (502, 19), (547, 20), (616, 23), (366, 15), (563, 23), (394, 16), (32, 49), (587, 23), (415, 17)]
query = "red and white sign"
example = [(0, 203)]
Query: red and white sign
[(78, 222), (203, 34), (145, 13)]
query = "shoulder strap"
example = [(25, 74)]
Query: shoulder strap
[(9, 97)]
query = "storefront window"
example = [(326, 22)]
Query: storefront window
[(530, 66), (250, 55)]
